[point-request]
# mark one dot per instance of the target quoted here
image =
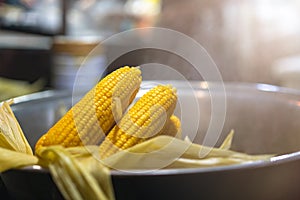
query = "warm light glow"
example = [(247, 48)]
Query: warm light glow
[(298, 103), (204, 85)]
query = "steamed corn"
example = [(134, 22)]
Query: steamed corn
[(75, 170), (172, 127), (96, 113), (144, 120)]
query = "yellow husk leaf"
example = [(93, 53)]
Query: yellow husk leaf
[(11, 134), (228, 141), (10, 88), (11, 159), (77, 180), (101, 175), (162, 151), (87, 157)]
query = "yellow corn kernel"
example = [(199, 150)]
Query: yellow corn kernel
[(144, 120), (97, 112)]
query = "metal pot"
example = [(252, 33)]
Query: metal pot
[(265, 120)]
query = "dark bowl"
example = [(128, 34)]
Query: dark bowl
[(265, 119)]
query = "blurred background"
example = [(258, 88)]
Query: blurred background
[(43, 42)]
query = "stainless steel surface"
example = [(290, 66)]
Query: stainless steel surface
[(264, 117)]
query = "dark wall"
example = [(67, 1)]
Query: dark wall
[(26, 64)]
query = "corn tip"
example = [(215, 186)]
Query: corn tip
[(170, 86)]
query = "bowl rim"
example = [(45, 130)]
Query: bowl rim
[(201, 85), (276, 160)]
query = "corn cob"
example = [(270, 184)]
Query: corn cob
[(95, 114), (172, 127), (143, 121)]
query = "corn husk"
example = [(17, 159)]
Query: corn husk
[(11, 159), (10, 88), (79, 174), (168, 152), (228, 141), (76, 173), (87, 157), (11, 134), (15, 150), (77, 180)]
